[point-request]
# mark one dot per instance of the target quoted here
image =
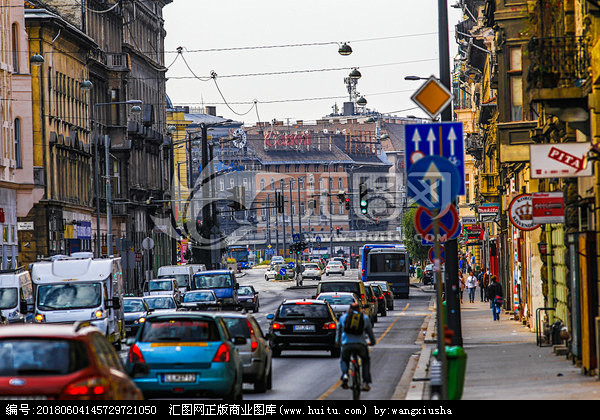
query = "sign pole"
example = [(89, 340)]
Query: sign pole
[(440, 311)]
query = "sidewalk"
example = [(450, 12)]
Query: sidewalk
[(504, 362)]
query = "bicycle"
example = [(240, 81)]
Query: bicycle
[(354, 375)]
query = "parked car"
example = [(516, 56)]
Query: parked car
[(334, 267), (311, 271), (428, 274), (339, 301), (161, 303), (388, 293), (61, 362), (136, 310), (199, 300), (190, 354), (248, 298), (303, 324), (256, 353), (380, 296)]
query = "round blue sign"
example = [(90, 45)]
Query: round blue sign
[(282, 272), (433, 182)]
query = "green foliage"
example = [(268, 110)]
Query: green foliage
[(412, 240)]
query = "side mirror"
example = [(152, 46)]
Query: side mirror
[(116, 303), (23, 307)]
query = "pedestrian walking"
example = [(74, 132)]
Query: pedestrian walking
[(461, 282), (471, 284), (496, 297), (484, 279)]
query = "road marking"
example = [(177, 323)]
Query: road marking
[(339, 382)]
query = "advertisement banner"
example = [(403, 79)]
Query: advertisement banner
[(548, 207)]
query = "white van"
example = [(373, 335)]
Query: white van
[(71, 289), (182, 273), (16, 293), (163, 286)]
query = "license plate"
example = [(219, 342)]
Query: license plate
[(179, 377), (303, 328)]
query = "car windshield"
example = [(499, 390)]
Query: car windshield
[(238, 327), (303, 311), (182, 279), (160, 286), (337, 299), (199, 297), (8, 298), (161, 302), (245, 291), (39, 357), (212, 281), (69, 296), (131, 305), (179, 329)]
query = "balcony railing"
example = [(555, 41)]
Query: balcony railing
[(558, 62)]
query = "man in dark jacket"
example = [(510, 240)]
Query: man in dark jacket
[(495, 297)]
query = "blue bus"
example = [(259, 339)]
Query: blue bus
[(240, 253), (386, 262)]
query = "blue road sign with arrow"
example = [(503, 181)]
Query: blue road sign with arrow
[(433, 182), (439, 139)]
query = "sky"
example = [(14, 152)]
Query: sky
[(278, 59)]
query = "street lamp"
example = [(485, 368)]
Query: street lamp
[(345, 49), (135, 108)]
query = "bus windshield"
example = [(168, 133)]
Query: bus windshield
[(54, 297), (239, 253), (387, 262)]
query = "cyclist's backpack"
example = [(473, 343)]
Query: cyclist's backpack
[(354, 324)]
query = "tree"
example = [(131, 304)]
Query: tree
[(412, 239)]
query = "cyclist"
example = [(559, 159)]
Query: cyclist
[(351, 337)]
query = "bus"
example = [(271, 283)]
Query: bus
[(364, 252), (240, 253), (389, 263)]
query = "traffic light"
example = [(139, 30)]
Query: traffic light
[(292, 248), (279, 200), (364, 203), (347, 199), (341, 196)]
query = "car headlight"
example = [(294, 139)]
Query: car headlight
[(97, 314), (40, 318)]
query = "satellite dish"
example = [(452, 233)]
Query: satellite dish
[(239, 138)]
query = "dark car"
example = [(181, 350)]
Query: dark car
[(381, 302), (136, 310), (61, 362), (388, 293), (248, 298), (372, 302), (303, 324), (428, 274), (256, 353), (200, 300)]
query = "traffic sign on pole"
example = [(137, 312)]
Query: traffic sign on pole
[(432, 97), (448, 223), (433, 182), (440, 139)]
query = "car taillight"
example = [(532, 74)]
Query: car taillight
[(222, 355), (88, 388), (363, 272), (135, 355), (254, 343), (329, 326), (278, 326)]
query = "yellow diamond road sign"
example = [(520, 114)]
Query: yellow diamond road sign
[(433, 97)]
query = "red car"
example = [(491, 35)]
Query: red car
[(61, 362)]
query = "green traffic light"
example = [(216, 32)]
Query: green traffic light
[(363, 211), (363, 203)]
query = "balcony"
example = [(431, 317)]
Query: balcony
[(559, 72), (118, 62)]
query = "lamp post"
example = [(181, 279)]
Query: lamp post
[(136, 108)]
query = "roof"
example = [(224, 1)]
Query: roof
[(68, 268), (214, 272), (43, 330)]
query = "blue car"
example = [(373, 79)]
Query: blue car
[(188, 354)]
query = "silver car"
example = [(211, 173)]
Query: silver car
[(256, 353), (339, 301), (200, 300)]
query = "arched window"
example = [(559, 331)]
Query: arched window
[(17, 130)]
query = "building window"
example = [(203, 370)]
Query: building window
[(515, 80), (272, 183), (340, 183), (17, 130), (15, 47), (262, 184)]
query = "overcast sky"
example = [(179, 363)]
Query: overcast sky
[(390, 39)]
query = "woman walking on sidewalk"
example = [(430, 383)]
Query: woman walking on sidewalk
[(471, 285), (461, 281), (496, 297)]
